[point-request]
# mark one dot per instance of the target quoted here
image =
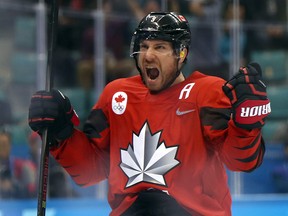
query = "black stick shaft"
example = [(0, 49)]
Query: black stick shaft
[(44, 160)]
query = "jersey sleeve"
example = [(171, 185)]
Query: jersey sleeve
[(239, 149), (85, 155)]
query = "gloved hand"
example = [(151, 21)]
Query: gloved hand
[(52, 110), (247, 93)]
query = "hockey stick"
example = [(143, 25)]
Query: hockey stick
[(44, 160)]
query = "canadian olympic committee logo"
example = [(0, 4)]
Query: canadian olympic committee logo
[(119, 102)]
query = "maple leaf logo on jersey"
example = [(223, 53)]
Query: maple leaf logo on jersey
[(146, 160), (119, 99)]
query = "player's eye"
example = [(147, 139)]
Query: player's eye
[(143, 47), (160, 47)]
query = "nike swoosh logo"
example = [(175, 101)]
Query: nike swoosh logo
[(178, 112)]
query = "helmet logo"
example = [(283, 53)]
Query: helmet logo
[(153, 18), (182, 18)]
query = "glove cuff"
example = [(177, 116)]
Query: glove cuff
[(251, 113), (65, 132)]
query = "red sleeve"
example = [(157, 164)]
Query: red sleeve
[(239, 149), (84, 161), (243, 150)]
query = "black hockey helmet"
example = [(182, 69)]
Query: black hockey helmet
[(167, 26)]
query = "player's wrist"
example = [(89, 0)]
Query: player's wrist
[(65, 132)]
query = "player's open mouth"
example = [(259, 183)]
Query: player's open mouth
[(152, 73)]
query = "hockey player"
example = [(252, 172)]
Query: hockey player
[(162, 140)]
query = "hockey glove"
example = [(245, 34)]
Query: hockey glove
[(248, 97), (52, 110)]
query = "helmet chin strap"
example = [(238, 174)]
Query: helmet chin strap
[(178, 71)]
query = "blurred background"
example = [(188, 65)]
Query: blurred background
[(92, 49)]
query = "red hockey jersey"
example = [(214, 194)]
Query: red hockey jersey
[(178, 141)]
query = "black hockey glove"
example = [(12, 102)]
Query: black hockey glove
[(52, 110), (248, 97)]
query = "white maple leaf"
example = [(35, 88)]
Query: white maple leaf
[(146, 160)]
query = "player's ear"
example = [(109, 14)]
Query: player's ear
[(182, 54)]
